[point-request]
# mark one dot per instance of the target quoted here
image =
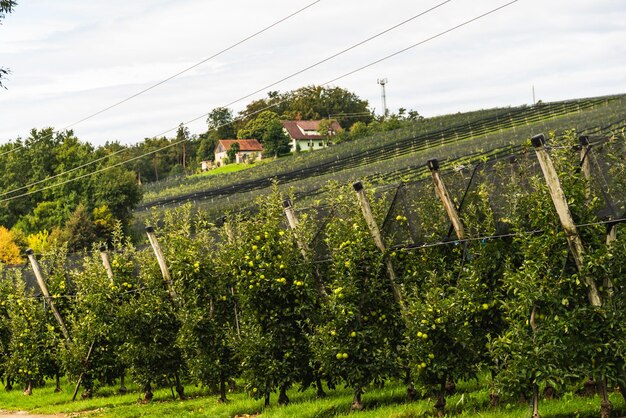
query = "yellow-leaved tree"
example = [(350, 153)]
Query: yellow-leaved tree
[(9, 250)]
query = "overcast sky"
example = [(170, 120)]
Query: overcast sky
[(72, 58)]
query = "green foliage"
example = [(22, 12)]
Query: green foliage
[(208, 307), (360, 340), (220, 120), (266, 128), (33, 339), (46, 154), (232, 152), (277, 296), (247, 303), (95, 323), (313, 103)]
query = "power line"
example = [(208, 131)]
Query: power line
[(139, 93), (422, 42), (283, 79), (229, 104)]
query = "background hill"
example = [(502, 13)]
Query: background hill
[(392, 156)]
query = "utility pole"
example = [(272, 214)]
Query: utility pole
[(383, 96), (534, 102)]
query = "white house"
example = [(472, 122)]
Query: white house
[(304, 134), (248, 149)]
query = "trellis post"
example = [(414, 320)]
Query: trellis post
[(162, 264), (585, 166), (562, 209), (302, 244), (105, 262), (44, 290), (378, 240), (442, 192)]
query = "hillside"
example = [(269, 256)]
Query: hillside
[(394, 156)]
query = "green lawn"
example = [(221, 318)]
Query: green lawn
[(229, 168), (470, 401)]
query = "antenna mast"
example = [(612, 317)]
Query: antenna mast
[(383, 96)]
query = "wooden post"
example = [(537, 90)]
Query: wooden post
[(44, 290), (562, 209), (442, 192), (106, 263), (162, 264), (611, 234), (585, 148), (378, 240), (303, 245), (82, 375)]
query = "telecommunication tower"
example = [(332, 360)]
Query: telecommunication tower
[(383, 96)]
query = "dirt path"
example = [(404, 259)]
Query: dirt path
[(25, 414)]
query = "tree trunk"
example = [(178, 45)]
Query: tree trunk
[(267, 400), (440, 405), (494, 397), (536, 401), (57, 389), (320, 389), (179, 388), (282, 397), (357, 405), (411, 393), (549, 393), (605, 405), (450, 387), (147, 393), (590, 388), (122, 390), (222, 398), (87, 393), (184, 156), (29, 388)]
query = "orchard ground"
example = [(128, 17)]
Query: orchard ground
[(470, 400)]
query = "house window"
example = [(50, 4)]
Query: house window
[(321, 144)]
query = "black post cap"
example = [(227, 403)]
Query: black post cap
[(538, 140), (584, 140), (358, 186), (433, 164), (30, 251), (103, 248), (287, 203), (149, 229)]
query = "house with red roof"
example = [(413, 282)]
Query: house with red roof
[(249, 150), (304, 134)]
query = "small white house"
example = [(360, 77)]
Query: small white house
[(305, 135), (248, 149)]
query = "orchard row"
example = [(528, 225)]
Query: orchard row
[(280, 301)]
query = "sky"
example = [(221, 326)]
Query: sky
[(70, 59)]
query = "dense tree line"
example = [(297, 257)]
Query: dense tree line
[(38, 203)]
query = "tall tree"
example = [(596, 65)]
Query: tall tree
[(182, 137), (221, 121), (269, 131), (313, 102)]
